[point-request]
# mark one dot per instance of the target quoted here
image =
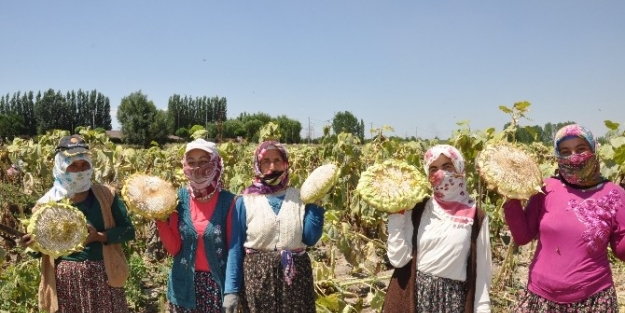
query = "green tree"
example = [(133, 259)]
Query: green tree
[(346, 122), (135, 115), (183, 133), (291, 129), (232, 129), (252, 124), (51, 112), (11, 125), (159, 129)]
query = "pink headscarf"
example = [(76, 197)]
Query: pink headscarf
[(450, 193)]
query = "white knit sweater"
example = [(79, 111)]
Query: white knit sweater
[(267, 231)]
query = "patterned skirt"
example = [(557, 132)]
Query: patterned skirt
[(265, 288), (437, 294), (603, 301), (207, 298), (83, 287)]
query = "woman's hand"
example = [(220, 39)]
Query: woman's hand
[(94, 235), (25, 241)]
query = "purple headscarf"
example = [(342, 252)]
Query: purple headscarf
[(273, 182)]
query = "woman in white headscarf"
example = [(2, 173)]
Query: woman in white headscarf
[(441, 247), (90, 280)]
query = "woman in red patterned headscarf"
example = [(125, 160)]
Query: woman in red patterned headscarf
[(202, 236), (441, 247)]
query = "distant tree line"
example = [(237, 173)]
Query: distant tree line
[(29, 114)]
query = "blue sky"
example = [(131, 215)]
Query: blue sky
[(418, 66)]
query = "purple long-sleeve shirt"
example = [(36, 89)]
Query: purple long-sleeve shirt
[(573, 228)]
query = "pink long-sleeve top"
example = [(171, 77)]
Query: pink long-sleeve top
[(573, 228), (201, 213)]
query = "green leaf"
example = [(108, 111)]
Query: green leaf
[(505, 109), (331, 302), (522, 106), (617, 142), (611, 125)]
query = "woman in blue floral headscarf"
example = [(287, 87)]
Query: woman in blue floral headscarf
[(576, 217)]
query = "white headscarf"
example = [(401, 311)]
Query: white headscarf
[(67, 184)]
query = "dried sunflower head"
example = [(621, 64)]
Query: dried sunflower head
[(58, 229), (149, 196), (392, 186), (318, 183), (509, 170)]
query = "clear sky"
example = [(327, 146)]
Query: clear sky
[(418, 66)]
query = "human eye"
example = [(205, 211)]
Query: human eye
[(448, 167), (432, 170)]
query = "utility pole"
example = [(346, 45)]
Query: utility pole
[(309, 130)]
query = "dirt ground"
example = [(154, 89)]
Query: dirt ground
[(523, 258)]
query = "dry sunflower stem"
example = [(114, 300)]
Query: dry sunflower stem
[(149, 196), (3, 255), (318, 183), (509, 170), (58, 229), (392, 186)]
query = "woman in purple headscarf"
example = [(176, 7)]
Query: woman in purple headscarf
[(277, 228), (575, 219)]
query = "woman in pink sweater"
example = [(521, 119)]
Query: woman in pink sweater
[(575, 219)]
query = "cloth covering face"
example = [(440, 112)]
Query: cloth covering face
[(67, 184), (273, 182), (204, 180), (450, 189), (578, 169)]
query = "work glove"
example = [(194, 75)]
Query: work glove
[(231, 303)]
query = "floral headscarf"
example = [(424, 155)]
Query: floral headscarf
[(578, 169), (67, 184), (450, 193), (273, 182), (205, 180)]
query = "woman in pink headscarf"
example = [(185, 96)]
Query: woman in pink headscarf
[(441, 247), (203, 237), (576, 217)]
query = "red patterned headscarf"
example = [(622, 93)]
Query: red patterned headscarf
[(272, 182), (205, 180)]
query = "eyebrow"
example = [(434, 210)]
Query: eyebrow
[(442, 165)]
